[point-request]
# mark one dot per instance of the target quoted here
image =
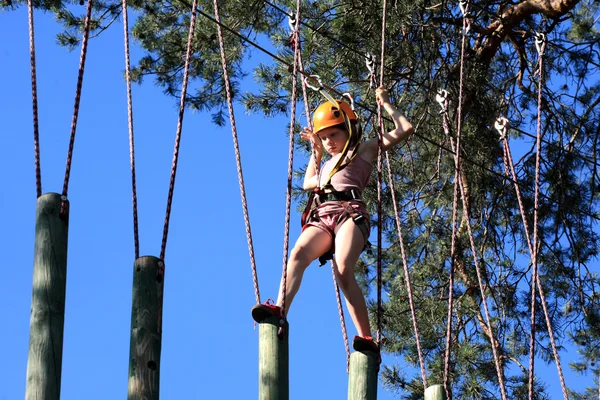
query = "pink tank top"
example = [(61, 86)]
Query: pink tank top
[(354, 176)]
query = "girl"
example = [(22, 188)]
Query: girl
[(338, 219)]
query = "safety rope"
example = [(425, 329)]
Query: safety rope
[(510, 168), (84, 44), (338, 299), (370, 62), (34, 102), (238, 159), (534, 254), (186, 69), (301, 69), (136, 239), (442, 99), (409, 287), (380, 179), (288, 197)]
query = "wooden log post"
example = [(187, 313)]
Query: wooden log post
[(273, 361), (362, 377), (146, 329), (46, 326), (435, 392)]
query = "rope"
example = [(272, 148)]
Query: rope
[(534, 247), (84, 43), (317, 169), (288, 197), (136, 239), (34, 101), (380, 179), (188, 56), (511, 170), (409, 287), (445, 124), (341, 312), (238, 159), (541, 44), (464, 8), (396, 213)]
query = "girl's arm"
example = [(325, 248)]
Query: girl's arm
[(403, 129), (311, 179)]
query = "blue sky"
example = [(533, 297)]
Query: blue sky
[(209, 346)]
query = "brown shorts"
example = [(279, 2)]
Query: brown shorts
[(332, 214)]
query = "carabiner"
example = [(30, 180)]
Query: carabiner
[(540, 42), (442, 98), (349, 97), (501, 126), (318, 79)]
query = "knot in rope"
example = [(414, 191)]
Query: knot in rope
[(501, 126)]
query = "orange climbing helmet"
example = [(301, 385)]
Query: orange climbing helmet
[(329, 114)]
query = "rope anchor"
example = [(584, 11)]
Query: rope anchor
[(292, 22), (501, 126)]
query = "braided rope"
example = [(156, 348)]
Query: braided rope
[(317, 169), (84, 44), (490, 332), (188, 56), (136, 239), (238, 159), (338, 299), (34, 101), (447, 386), (409, 287), (288, 197), (535, 238), (380, 180)]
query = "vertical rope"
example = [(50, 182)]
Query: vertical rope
[(341, 312), (466, 215), (34, 101), (447, 386), (317, 169), (238, 159), (288, 197), (409, 287), (537, 280), (380, 178), (136, 240), (188, 56), (84, 44), (541, 47)]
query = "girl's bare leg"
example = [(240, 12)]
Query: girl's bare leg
[(349, 243), (312, 243)]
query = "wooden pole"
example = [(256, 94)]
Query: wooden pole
[(273, 361), (146, 329), (46, 325), (362, 379), (435, 392)]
